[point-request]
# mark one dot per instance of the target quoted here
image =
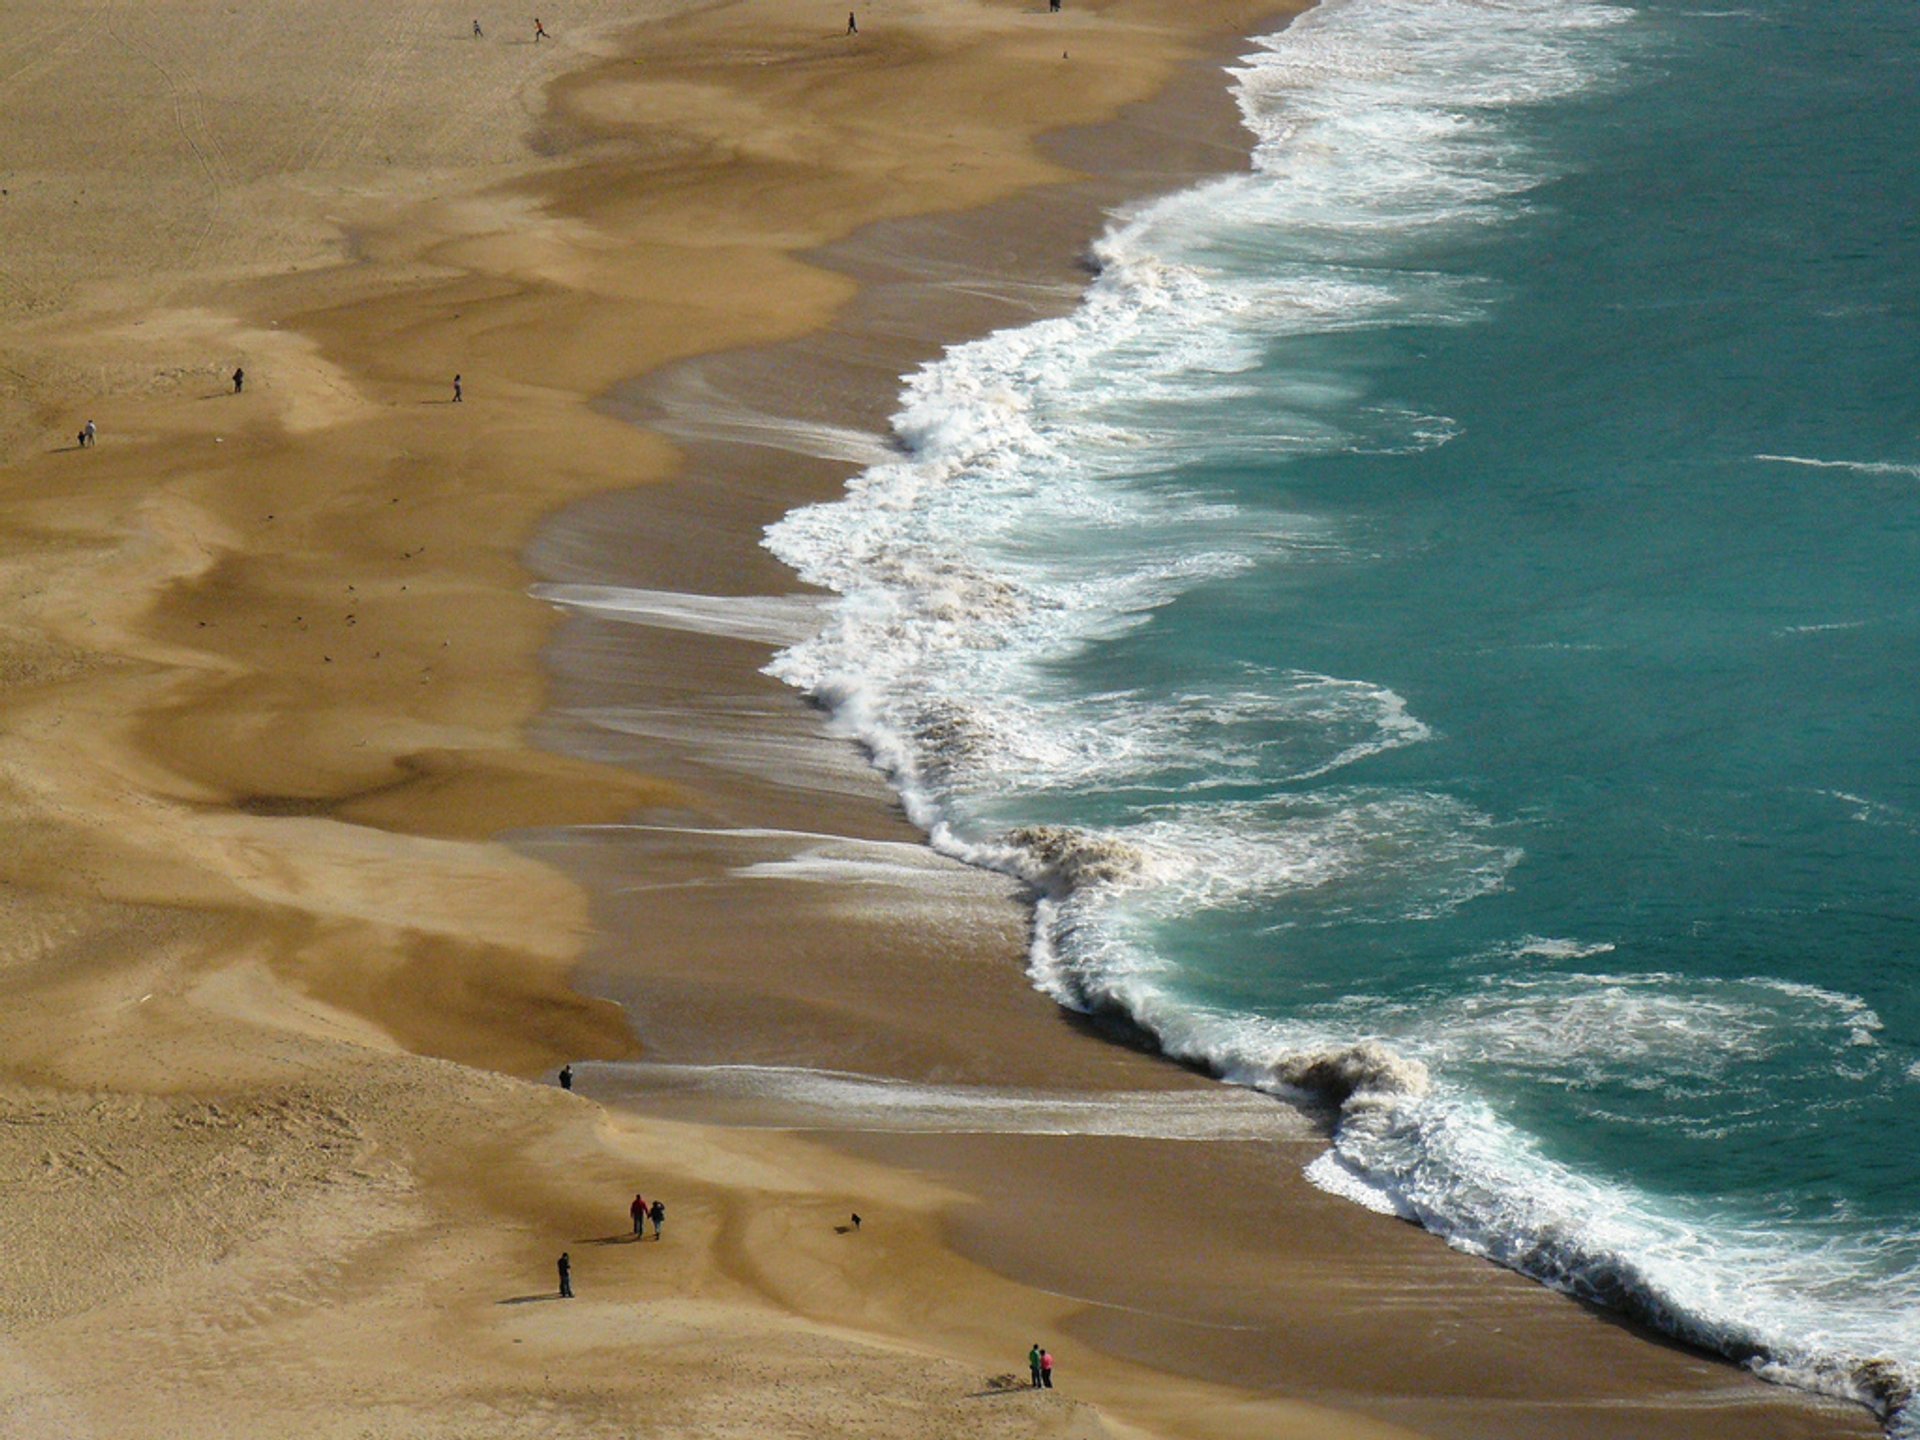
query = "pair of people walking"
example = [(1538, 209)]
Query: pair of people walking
[(1040, 1363), (643, 1212), (539, 31)]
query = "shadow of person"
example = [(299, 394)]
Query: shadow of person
[(530, 1299)]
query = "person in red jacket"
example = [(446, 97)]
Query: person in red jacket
[(1046, 1368), (639, 1212)]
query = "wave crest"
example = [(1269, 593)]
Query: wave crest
[(1060, 859), (1364, 1073), (1883, 1384)]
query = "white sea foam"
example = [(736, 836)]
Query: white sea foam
[(1036, 509), (1700, 1042), (1544, 947), (1335, 1176), (1858, 467), (1879, 813), (1827, 628)]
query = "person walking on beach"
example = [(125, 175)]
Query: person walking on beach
[(539, 30), (853, 27), (639, 1211), (456, 390), (89, 435), (566, 1276), (478, 34), (1054, 6), (1046, 1368), (239, 379), (657, 1214), (566, 1071), (1033, 1363)]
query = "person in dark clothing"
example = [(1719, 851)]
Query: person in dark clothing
[(1033, 1364), (539, 30), (566, 1077), (639, 1212), (856, 1220), (853, 27), (239, 379), (456, 390), (478, 33), (658, 1214), (566, 1277)]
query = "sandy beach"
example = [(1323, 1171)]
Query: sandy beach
[(369, 752)]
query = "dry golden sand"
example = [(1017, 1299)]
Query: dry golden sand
[(271, 988)]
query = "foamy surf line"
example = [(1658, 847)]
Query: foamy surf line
[(782, 1097)]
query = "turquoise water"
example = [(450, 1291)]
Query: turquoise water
[(1440, 625)]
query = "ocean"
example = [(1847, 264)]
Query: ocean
[(1439, 628)]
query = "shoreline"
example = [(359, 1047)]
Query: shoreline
[(275, 984), (704, 405)]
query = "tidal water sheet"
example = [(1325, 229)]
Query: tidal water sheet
[(1435, 628)]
